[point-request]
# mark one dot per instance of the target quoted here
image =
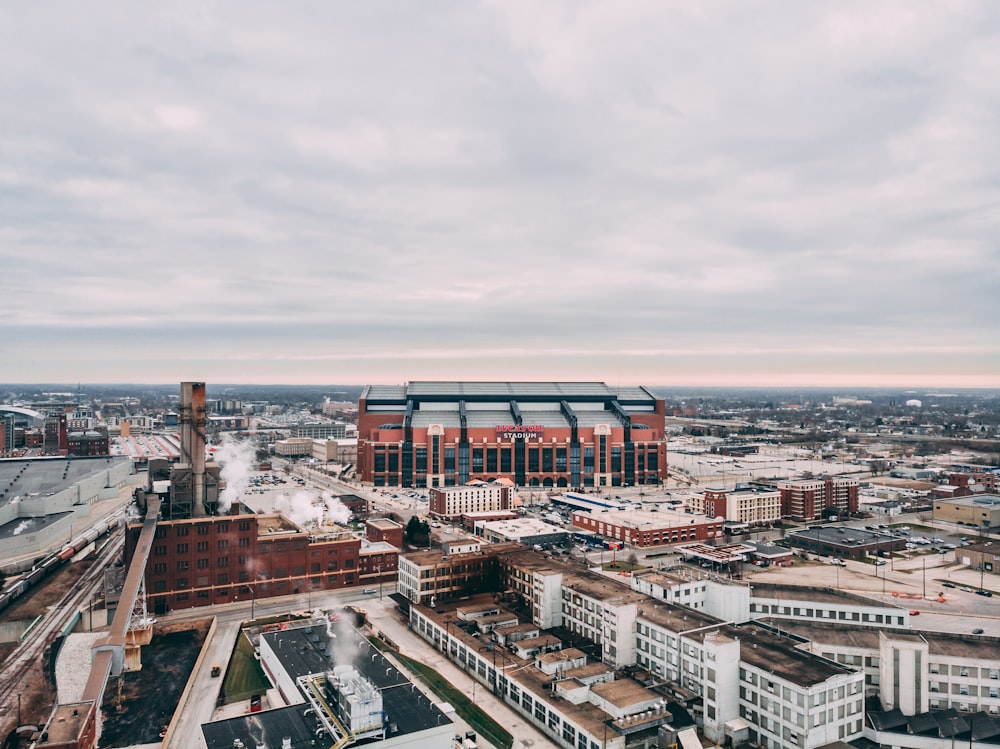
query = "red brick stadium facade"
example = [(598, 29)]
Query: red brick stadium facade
[(535, 434)]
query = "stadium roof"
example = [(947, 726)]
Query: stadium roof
[(444, 391)]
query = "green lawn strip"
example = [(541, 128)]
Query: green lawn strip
[(471, 713), (244, 677), (623, 567)]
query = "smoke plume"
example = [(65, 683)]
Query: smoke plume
[(236, 459), (304, 509)]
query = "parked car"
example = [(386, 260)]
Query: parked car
[(948, 585), (987, 593), (914, 612), (977, 631)]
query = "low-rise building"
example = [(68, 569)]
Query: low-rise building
[(645, 528), (846, 542), (477, 496), (980, 511), (528, 531), (294, 447), (747, 505), (913, 672), (383, 529), (984, 557)]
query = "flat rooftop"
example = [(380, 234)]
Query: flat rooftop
[(522, 527), (782, 656), (522, 670), (938, 643), (257, 729), (67, 722), (986, 501), (676, 618), (33, 524), (41, 477), (430, 557), (314, 648), (647, 519), (503, 392), (818, 595), (850, 537), (145, 446)]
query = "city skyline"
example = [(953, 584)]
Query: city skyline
[(780, 195)]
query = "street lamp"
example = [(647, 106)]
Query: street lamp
[(253, 599)]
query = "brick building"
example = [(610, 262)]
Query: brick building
[(89, 443), (750, 506), (208, 560), (535, 434), (642, 528), (807, 499), (382, 529)]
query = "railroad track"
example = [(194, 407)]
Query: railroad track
[(30, 653)]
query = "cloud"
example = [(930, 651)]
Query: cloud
[(240, 192)]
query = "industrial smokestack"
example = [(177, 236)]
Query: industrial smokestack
[(192, 421)]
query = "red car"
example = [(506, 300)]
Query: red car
[(914, 613)]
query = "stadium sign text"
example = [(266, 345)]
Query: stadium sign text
[(520, 431)]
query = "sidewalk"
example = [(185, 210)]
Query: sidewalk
[(384, 617)]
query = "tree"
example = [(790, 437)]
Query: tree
[(412, 528)]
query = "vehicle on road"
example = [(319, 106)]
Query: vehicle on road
[(987, 593), (370, 591), (216, 669), (948, 585), (977, 631), (914, 612)]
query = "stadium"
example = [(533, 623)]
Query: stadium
[(529, 434)]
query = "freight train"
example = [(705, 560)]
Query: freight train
[(54, 561)]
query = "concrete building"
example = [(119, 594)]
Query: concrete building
[(6, 434), (980, 511), (645, 528), (534, 434), (476, 496), (984, 557), (319, 430), (913, 672), (527, 531), (846, 543), (294, 447), (748, 506), (807, 499), (343, 451), (424, 575), (45, 501), (743, 683)]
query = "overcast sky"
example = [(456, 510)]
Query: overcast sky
[(633, 192)]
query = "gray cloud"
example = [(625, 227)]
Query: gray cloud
[(639, 192)]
